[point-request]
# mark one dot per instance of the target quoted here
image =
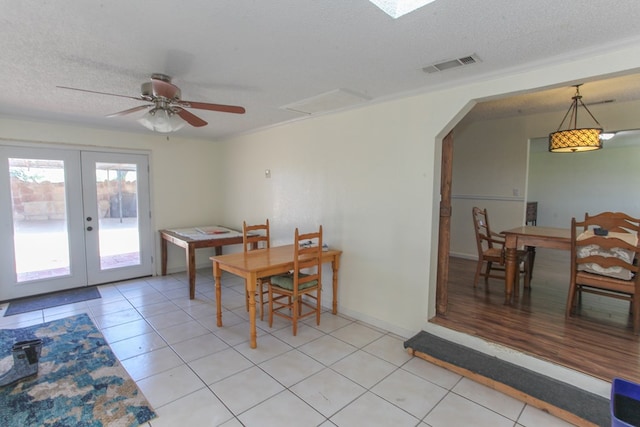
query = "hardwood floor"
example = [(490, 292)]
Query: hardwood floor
[(598, 341)]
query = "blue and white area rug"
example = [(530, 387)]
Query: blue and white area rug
[(80, 382)]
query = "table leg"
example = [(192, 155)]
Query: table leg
[(163, 255), (217, 274), (511, 261), (335, 266), (250, 282), (532, 258), (191, 270)]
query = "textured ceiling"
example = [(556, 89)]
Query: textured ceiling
[(615, 89), (265, 55)]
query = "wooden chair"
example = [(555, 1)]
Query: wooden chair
[(257, 237), (491, 252), (286, 291), (606, 265)]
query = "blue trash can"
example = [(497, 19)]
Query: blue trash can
[(625, 403)]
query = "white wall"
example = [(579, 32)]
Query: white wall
[(186, 180), (593, 182), (489, 165), (367, 177)]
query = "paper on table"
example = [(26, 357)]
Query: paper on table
[(194, 234), (212, 230)]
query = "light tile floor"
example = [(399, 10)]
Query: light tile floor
[(341, 373)]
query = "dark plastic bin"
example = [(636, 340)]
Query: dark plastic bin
[(625, 403)]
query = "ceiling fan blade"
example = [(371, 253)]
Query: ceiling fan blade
[(213, 107), (130, 110), (102, 93), (190, 118)]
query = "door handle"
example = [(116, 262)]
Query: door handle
[(89, 218), (89, 228)]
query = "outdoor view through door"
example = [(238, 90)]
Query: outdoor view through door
[(76, 219), (39, 208), (116, 187)]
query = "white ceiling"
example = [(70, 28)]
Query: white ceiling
[(264, 55)]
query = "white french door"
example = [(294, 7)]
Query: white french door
[(71, 218)]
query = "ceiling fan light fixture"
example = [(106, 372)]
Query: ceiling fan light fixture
[(572, 140), (170, 112), (162, 120), (605, 136)]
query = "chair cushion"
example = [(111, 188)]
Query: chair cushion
[(623, 254), (286, 282)]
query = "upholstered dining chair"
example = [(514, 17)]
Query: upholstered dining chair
[(286, 292), (257, 237), (492, 254), (604, 260)]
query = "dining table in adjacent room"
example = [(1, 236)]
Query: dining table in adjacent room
[(196, 238), (267, 262), (531, 237)]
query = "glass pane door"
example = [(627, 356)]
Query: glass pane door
[(42, 247), (117, 223), (71, 218), (39, 217), (117, 190)]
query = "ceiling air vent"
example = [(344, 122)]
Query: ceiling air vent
[(454, 63)]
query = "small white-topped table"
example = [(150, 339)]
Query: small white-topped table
[(195, 238)]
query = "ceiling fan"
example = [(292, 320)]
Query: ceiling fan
[(164, 104)]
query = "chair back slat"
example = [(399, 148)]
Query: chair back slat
[(612, 221), (604, 251), (307, 257), (255, 236), (485, 238), (618, 248)]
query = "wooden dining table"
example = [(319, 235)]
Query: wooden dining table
[(531, 237), (257, 263)]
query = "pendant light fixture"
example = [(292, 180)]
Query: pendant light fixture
[(574, 139)]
